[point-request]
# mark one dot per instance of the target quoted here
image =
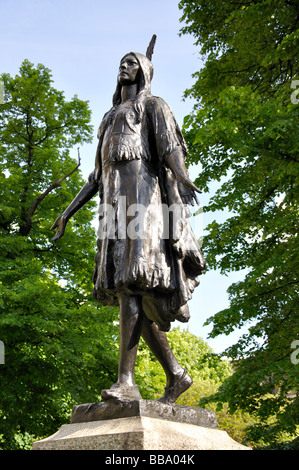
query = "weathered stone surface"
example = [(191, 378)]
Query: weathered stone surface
[(137, 433), (144, 408), (139, 425)]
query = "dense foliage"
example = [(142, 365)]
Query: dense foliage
[(59, 343), (244, 132)]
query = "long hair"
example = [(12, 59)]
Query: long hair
[(144, 77)]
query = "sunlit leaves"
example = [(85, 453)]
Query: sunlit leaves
[(244, 132), (59, 342)]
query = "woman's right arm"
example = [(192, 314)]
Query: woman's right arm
[(88, 191)]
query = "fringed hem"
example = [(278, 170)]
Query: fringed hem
[(122, 152), (139, 273)]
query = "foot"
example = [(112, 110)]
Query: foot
[(121, 392), (181, 384)]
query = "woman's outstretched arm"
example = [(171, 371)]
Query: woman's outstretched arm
[(88, 191), (186, 187)]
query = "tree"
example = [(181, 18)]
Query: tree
[(59, 348), (244, 132)]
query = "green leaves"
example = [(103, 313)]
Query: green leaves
[(36, 114), (59, 342), (244, 132)]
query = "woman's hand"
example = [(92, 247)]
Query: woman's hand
[(187, 190), (60, 224)]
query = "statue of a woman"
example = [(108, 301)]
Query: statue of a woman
[(149, 269)]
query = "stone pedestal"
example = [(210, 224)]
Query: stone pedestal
[(144, 408), (139, 425)]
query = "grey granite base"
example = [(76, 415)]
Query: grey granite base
[(139, 425), (137, 433)]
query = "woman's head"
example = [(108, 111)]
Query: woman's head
[(128, 70), (134, 68)]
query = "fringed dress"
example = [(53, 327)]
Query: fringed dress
[(142, 248)]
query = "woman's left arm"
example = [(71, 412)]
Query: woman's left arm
[(187, 189), (171, 147)]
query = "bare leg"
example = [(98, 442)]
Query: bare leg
[(133, 323), (130, 324), (178, 381), (158, 344)]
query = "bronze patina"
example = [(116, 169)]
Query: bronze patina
[(148, 259)]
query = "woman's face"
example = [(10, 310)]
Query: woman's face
[(128, 70)]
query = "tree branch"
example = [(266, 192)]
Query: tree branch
[(27, 227)]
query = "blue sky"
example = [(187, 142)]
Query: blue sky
[(82, 42)]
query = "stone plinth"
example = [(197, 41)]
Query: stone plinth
[(137, 433), (139, 425)]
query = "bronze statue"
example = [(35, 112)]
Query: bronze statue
[(148, 271)]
